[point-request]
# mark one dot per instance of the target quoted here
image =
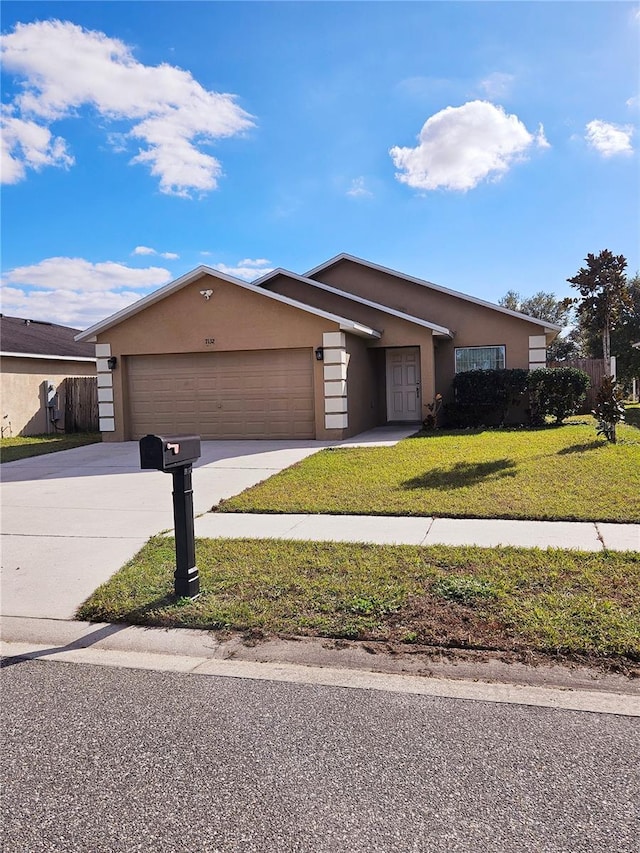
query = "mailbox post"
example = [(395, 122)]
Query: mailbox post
[(176, 454)]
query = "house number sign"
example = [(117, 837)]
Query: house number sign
[(209, 341)]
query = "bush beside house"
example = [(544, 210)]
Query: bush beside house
[(497, 397)]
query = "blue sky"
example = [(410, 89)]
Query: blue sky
[(485, 146)]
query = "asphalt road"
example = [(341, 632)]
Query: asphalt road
[(100, 759)]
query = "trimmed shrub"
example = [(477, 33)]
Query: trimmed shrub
[(485, 396), (556, 391)]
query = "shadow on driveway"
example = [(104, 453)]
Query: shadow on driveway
[(123, 457)]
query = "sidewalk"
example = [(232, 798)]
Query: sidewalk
[(406, 530)]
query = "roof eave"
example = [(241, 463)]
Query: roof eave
[(188, 278), (47, 356), (360, 330), (144, 302), (439, 331), (344, 256)]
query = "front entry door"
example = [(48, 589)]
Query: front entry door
[(404, 399)]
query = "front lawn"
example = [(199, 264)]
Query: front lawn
[(548, 473), (522, 600), (21, 447)]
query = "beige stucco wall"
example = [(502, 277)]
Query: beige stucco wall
[(472, 324), (21, 392), (233, 319), (362, 386), (395, 332)]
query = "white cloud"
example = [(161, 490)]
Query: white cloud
[(358, 189), (460, 146), (633, 102), (540, 139), (26, 144), (497, 85), (63, 67), (147, 250), (609, 139), (246, 269), (76, 292)]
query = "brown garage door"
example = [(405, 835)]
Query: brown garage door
[(261, 394)]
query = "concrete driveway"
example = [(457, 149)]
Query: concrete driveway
[(72, 519)]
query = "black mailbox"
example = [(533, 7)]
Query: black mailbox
[(168, 452), (176, 454)]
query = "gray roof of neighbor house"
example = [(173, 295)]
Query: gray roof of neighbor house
[(19, 336)]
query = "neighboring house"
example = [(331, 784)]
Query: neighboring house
[(35, 358), (347, 347)]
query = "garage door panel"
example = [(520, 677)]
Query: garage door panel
[(263, 394)]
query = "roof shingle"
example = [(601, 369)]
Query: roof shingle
[(34, 337)]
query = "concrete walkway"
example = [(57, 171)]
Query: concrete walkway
[(390, 530)]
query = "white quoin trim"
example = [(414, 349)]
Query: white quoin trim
[(335, 356), (537, 351), (334, 370), (334, 339), (336, 421), (106, 412), (335, 405)]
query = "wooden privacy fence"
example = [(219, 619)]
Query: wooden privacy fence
[(80, 403), (594, 368)]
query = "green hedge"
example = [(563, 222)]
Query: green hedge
[(556, 391), (485, 396), (492, 397)]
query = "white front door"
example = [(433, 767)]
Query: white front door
[(404, 400)]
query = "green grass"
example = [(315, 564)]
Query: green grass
[(522, 600), (21, 447), (552, 473)]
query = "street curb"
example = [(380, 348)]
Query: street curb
[(313, 663)]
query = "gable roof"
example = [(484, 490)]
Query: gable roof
[(345, 324), (551, 327), (437, 330), (36, 338)]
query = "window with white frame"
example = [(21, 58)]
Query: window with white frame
[(480, 358)]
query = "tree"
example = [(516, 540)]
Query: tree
[(542, 306), (604, 295), (627, 333), (545, 306)]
